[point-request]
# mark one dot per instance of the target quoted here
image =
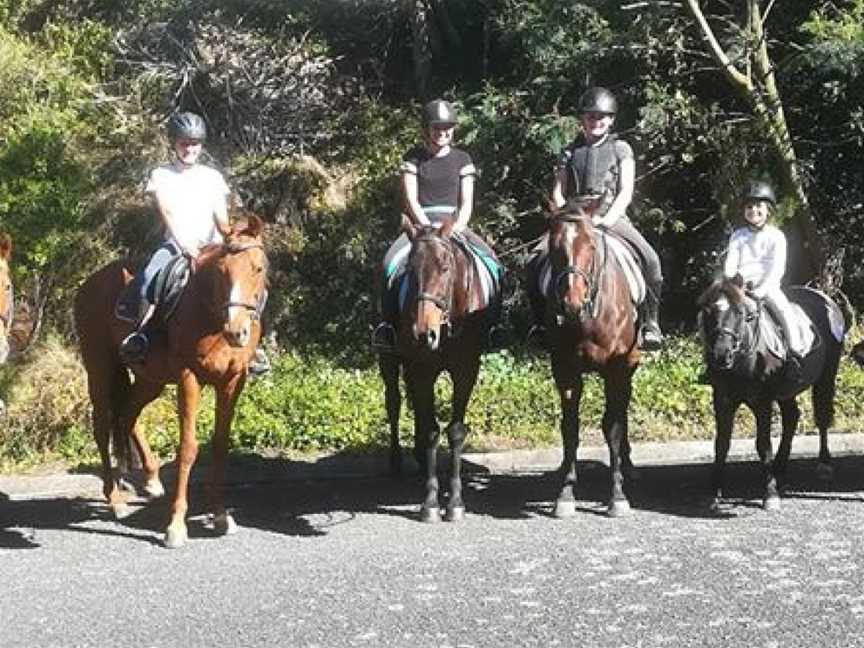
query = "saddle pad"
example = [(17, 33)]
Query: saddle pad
[(803, 333), (626, 260), (488, 270)]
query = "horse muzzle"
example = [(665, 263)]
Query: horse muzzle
[(430, 338)]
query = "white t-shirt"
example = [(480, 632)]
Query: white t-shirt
[(759, 257), (193, 195)]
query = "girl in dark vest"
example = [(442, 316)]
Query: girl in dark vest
[(598, 169)]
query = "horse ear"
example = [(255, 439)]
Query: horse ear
[(446, 227), (551, 207), (254, 226), (738, 280), (5, 246)]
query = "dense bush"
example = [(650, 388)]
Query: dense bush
[(313, 404)]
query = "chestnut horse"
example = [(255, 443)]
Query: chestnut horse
[(442, 327), (209, 340), (6, 305), (592, 327), (743, 370)]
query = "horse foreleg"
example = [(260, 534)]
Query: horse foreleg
[(426, 428), (226, 400), (724, 416), (188, 397), (618, 389), (790, 414), (771, 496), (463, 385), (570, 393), (388, 367)]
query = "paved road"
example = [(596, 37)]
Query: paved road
[(343, 562)]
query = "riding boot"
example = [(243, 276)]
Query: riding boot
[(652, 337), (384, 338), (134, 346)]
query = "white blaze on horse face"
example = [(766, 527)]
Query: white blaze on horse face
[(242, 332)]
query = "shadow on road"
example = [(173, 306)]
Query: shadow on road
[(312, 507)]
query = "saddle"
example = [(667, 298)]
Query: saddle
[(164, 290), (623, 254)]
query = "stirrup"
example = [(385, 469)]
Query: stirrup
[(384, 338), (652, 338), (134, 347), (495, 340), (259, 365)]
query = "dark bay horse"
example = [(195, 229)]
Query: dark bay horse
[(209, 340), (6, 305), (744, 370), (442, 327), (592, 327)]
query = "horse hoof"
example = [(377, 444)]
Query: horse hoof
[(825, 471), (430, 515), (124, 483), (565, 509), (618, 508), (455, 513), (771, 503), (224, 524), (176, 537), (154, 488)]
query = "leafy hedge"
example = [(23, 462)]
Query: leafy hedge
[(313, 404)]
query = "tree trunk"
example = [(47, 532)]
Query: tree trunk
[(420, 15), (759, 90)]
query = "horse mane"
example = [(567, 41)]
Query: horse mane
[(730, 287)]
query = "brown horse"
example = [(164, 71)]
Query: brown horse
[(6, 306), (592, 328), (442, 327), (209, 340)]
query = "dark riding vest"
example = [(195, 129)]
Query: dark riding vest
[(594, 170)]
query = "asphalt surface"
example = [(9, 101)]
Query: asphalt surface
[(331, 553)]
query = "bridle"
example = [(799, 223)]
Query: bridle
[(590, 277), (445, 303), (225, 308), (738, 338)]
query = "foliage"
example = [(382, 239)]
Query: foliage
[(311, 404)]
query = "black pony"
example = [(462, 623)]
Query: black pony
[(744, 370)]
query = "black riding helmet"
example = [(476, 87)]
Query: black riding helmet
[(188, 125), (759, 190), (598, 100), (439, 113)]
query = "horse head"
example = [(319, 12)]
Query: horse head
[(433, 265), (235, 276), (6, 310), (572, 258), (730, 326)]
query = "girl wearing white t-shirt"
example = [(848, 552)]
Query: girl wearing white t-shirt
[(192, 201)]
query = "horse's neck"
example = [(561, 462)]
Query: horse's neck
[(467, 287)]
